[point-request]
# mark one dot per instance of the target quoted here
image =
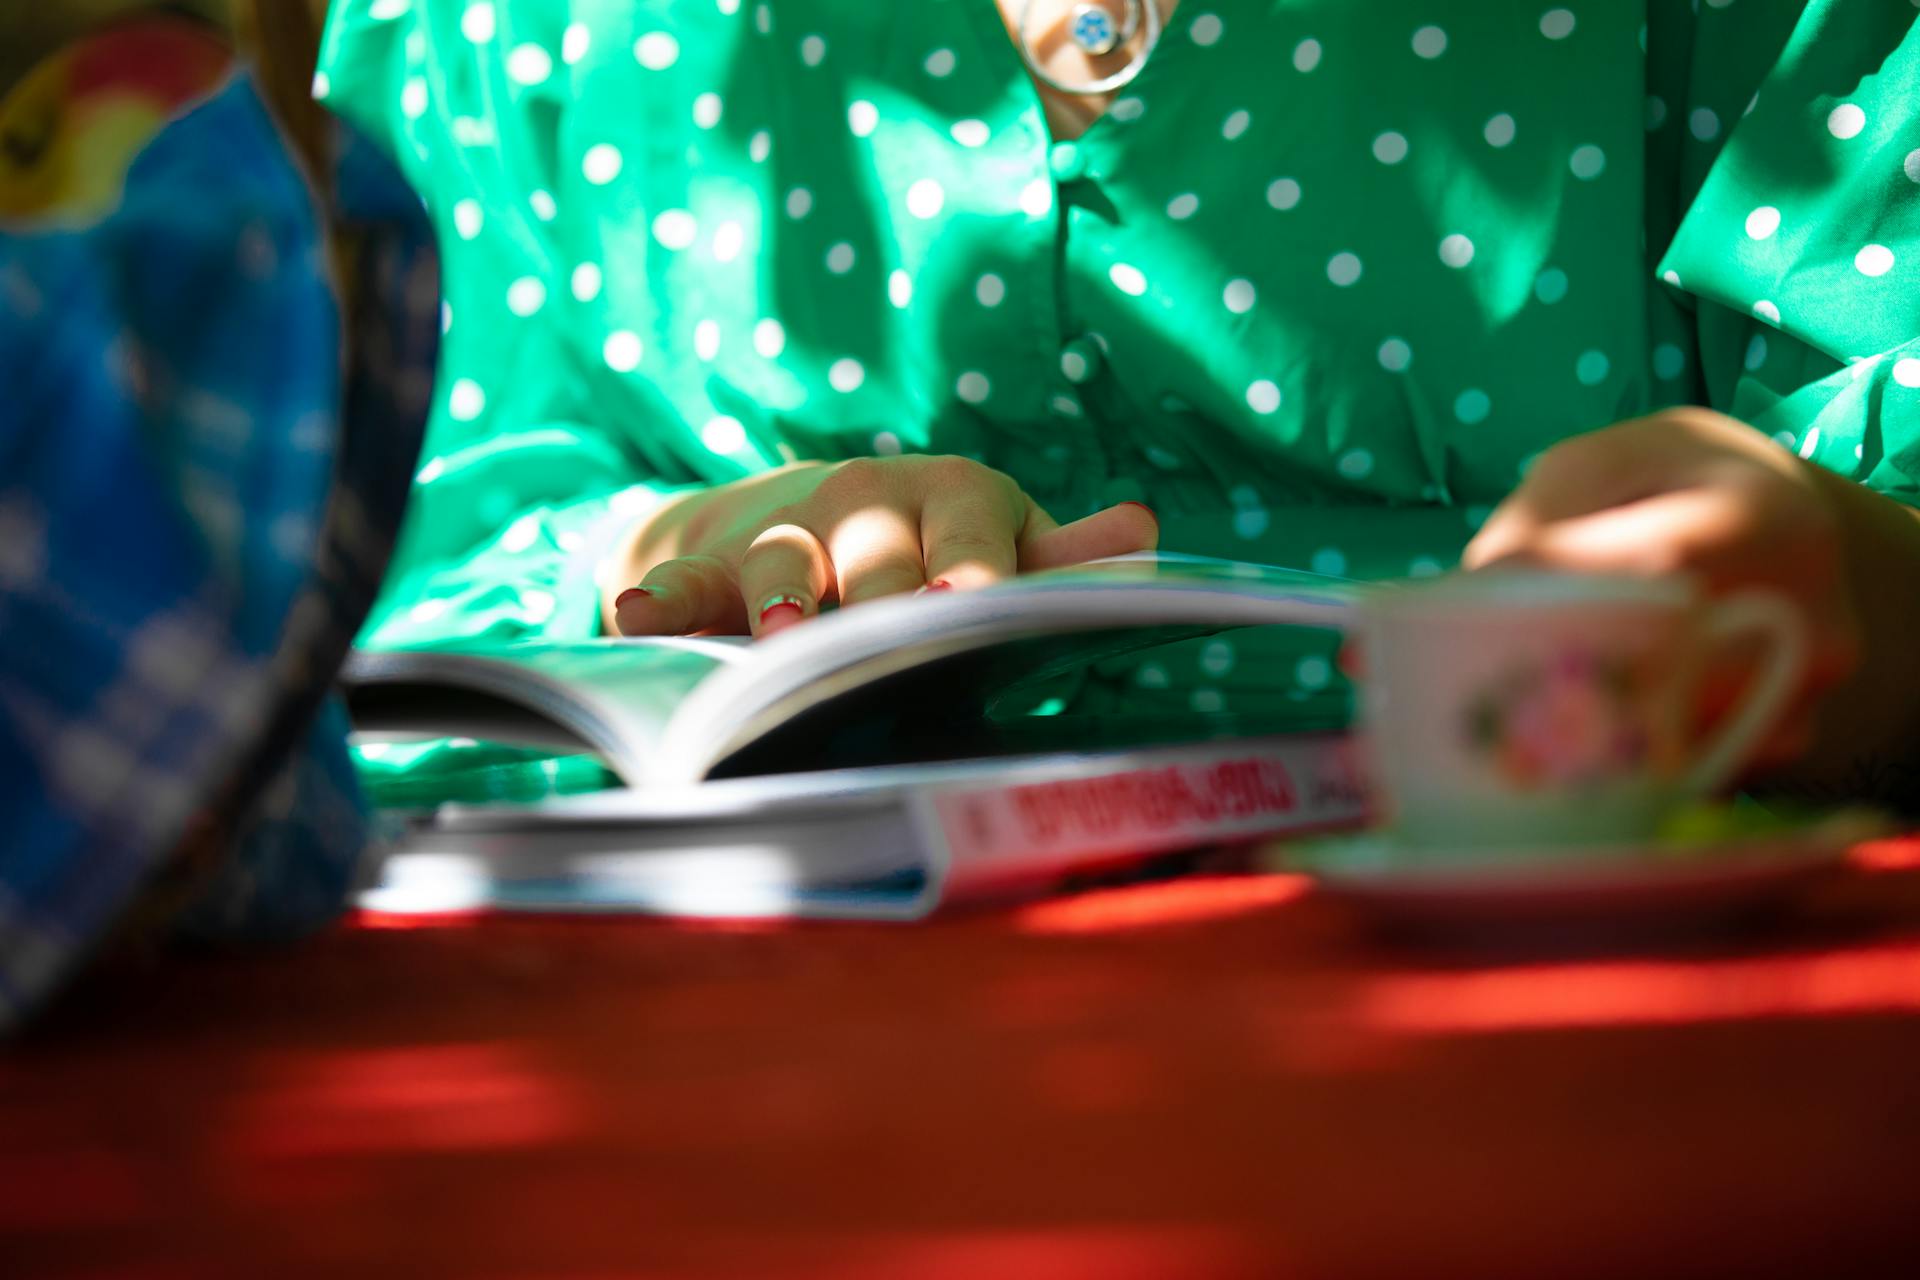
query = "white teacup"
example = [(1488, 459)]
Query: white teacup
[(1521, 707)]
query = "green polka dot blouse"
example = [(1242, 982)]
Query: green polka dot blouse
[(1325, 278)]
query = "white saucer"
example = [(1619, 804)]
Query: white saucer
[(1379, 871)]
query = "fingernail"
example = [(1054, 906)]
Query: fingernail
[(632, 593), (1144, 507), (938, 584), (780, 611)]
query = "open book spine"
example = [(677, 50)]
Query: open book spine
[(991, 841)]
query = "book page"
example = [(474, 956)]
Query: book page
[(613, 696), (838, 655)]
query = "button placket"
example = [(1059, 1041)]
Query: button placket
[(1079, 358)]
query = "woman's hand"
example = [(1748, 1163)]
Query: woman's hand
[(1693, 491), (765, 552)]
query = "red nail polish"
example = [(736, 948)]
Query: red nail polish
[(939, 584), (632, 593), (1144, 507), (780, 616), (780, 611)]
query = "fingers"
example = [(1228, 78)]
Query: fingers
[(1624, 466), (1117, 531), (859, 531), (967, 538), (689, 596), (1710, 533), (1509, 533), (876, 552), (1686, 529), (1502, 538), (1581, 476), (783, 576), (1036, 523)]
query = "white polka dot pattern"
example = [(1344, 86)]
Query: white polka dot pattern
[(586, 281), (926, 198), (529, 64), (622, 351), (477, 22), (1873, 260), (1846, 121), (724, 434), (656, 51), (526, 296), (846, 375), (601, 164), (782, 219), (1127, 279), (769, 338), (466, 400)]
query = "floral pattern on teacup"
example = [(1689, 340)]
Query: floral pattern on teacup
[(1575, 719)]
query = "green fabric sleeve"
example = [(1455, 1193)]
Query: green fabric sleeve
[(528, 478), (1802, 244)]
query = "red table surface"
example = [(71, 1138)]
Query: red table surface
[(1217, 1076)]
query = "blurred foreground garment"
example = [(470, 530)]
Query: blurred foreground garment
[(195, 505)]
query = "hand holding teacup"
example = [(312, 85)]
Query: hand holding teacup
[(1689, 491), (1568, 706)]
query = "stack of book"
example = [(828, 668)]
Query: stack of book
[(853, 766)]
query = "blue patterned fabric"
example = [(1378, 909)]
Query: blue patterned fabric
[(195, 508)]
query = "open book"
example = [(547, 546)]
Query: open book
[(858, 750)]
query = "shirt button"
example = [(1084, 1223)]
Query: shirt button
[(1066, 162), (1080, 360)]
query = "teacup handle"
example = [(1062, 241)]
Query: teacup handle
[(1774, 618)]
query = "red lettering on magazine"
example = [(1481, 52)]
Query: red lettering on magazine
[(1159, 800)]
